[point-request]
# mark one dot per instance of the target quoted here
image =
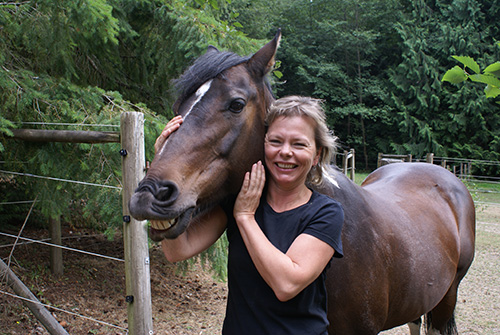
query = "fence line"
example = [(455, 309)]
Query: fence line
[(479, 190), (22, 243), (59, 179), (487, 203), (136, 262), (62, 247), (20, 231), (478, 161), (69, 124), (46, 239), (486, 178)]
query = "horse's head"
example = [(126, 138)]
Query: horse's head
[(223, 101)]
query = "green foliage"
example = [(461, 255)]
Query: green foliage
[(135, 47), (453, 123), (490, 75), (215, 257), (330, 51), (376, 64), (51, 101), (84, 62)]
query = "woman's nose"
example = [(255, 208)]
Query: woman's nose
[(286, 149)]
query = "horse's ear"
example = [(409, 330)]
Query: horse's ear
[(211, 48), (263, 60)]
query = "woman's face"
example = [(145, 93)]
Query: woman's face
[(290, 150)]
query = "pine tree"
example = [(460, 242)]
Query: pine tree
[(330, 51), (86, 61), (432, 118)]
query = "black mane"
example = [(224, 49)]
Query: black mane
[(206, 67)]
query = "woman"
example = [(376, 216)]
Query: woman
[(282, 235)]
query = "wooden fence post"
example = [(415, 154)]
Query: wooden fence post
[(56, 259), (352, 156), (379, 159), (135, 235), (345, 163)]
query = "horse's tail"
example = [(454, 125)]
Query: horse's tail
[(449, 329)]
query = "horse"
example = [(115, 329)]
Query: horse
[(409, 229)]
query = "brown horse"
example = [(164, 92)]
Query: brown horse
[(409, 229)]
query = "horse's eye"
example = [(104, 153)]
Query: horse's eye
[(237, 105)]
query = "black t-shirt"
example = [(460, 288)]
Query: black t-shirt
[(252, 307)]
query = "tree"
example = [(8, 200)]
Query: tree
[(332, 50), (456, 123), (86, 61)]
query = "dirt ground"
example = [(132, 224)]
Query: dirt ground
[(193, 303), (93, 287)]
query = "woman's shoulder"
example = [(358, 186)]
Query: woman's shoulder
[(323, 199)]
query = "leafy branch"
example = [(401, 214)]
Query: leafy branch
[(471, 70)]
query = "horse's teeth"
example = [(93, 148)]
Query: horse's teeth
[(162, 225)]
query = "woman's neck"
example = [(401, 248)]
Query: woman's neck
[(282, 200)]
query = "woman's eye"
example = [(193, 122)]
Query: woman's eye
[(237, 105), (300, 145), (274, 142)]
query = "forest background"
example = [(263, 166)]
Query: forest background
[(377, 64)]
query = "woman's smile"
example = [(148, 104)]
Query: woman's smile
[(286, 166)]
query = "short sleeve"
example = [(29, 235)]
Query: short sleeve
[(326, 224)]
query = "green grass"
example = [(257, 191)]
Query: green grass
[(360, 176)]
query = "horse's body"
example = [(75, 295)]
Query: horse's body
[(409, 230), (408, 241)]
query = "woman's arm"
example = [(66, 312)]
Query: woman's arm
[(200, 234), (287, 274)]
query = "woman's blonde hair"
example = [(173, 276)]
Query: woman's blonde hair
[(324, 138)]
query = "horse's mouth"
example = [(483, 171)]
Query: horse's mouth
[(170, 229)]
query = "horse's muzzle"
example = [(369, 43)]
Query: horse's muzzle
[(157, 200), (153, 200)]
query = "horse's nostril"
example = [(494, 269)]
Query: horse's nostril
[(162, 191), (166, 192)]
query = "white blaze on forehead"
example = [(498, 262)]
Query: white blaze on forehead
[(199, 95)]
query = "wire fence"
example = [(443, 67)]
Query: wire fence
[(26, 241), (486, 187), (45, 243), (58, 179)]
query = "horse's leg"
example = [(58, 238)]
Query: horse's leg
[(415, 326), (441, 320)]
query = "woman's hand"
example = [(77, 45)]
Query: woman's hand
[(249, 197), (171, 126)]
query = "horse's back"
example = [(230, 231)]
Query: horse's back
[(430, 188)]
